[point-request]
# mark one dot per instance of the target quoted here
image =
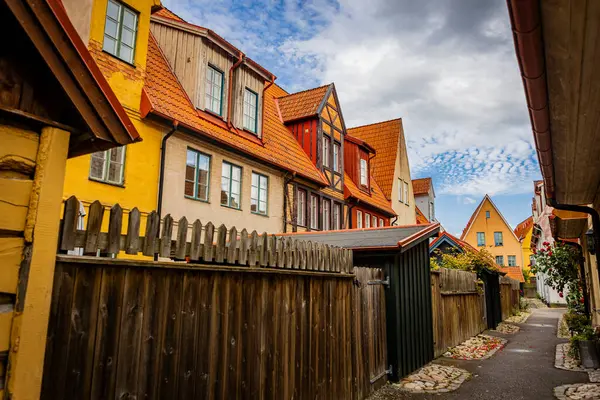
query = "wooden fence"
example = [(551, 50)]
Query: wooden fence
[(292, 321), (207, 243), (509, 296), (458, 308)]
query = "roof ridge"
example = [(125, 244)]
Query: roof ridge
[(303, 91), (171, 11), (376, 123)]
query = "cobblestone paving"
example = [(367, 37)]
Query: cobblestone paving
[(478, 347), (506, 328), (564, 361), (519, 318), (434, 378), (578, 391)]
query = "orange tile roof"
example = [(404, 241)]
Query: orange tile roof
[(522, 229), (514, 273), (421, 186), (383, 137), (301, 104), (376, 199), (165, 97), (421, 219), (166, 13)]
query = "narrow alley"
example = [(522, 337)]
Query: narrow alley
[(524, 369)]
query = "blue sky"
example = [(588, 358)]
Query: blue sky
[(446, 67)]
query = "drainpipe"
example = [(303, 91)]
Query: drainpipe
[(595, 221), (350, 207), (393, 223), (230, 86), (163, 150)]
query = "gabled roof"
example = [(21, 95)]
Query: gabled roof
[(302, 104), (514, 273), (383, 137), (49, 29), (476, 213), (421, 219), (421, 186), (164, 97), (524, 227), (387, 238), (166, 13), (456, 242), (376, 199)]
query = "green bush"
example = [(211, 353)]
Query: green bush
[(577, 323)]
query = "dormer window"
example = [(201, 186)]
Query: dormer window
[(363, 172), (250, 110), (337, 158), (214, 90)]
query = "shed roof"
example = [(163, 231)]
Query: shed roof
[(386, 238)]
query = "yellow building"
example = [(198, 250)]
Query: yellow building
[(523, 232), (116, 33), (487, 229)]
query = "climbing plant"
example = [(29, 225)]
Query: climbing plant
[(473, 261)]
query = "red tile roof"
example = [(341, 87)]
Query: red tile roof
[(421, 219), (384, 138), (166, 13), (421, 186), (301, 104), (522, 229), (514, 273), (165, 97), (376, 199)]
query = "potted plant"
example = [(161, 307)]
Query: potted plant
[(585, 341)]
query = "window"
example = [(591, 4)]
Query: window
[(231, 183), (197, 175), (500, 260), (431, 216), (337, 216), (301, 212), (107, 166), (381, 224), (374, 223), (337, 158), (314, 212), (406, 193), (531, 259), (250, 110), (363, 172), (359, 220), (326, 215), (487, 214), (480, 238), (367, 220), (259, 194), (326, 151), (512, 261), (498, 239), (119, 31), (214, 90), (400, 190)]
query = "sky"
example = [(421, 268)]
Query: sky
[(446, 67)]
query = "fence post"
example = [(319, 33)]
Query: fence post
[(94, 223), (132, 243), (167, 233), (196, 246), (208, 242), (115, 224), (220, 249), (69, 226), (182, 227)]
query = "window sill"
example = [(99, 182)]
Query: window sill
[(120, 59), (214, 114), (232, 208), (119, 185), (259, 214), (196, 199)]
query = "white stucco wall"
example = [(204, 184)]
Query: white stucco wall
[(405, 211)]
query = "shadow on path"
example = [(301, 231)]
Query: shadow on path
[(524, 369)]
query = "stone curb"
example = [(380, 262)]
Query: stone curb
[(520, 321), (560, 392), (507, 333), (451, 385), (559, 362), (488, 355)]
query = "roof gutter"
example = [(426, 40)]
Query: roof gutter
[(525, 19), (230, 86)]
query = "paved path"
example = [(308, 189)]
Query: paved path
[(524, 369)]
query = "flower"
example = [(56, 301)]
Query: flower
[(546, 244), (550, 253), (581, 300), (560, 294)]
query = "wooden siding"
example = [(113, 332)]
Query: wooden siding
[(509, 296), (183, 51), (305, 132), (243, 78), (149, 331)]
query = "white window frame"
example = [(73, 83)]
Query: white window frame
[(514, 259), (106, 163), (400, 190), (363, 172), (209, 86), (260, 178), (337, 164), (121, 27), (501, 260), (326, 150), (314, 212), (431, 212), (359, 219), (406, 193), (367, 220), (326, 214), (374, 222), (337, 216), (482, 243), (381, 223), (250, 111), (301, 208), (501, 239), (230, 184)]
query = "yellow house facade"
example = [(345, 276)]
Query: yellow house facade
[(523, 232), (116, 34), (488, 229)]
